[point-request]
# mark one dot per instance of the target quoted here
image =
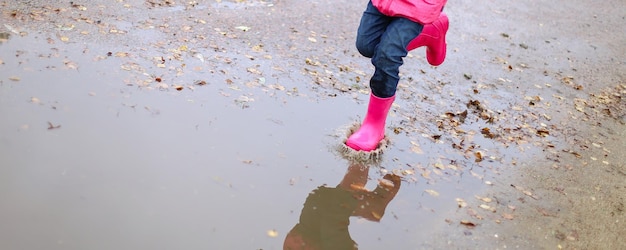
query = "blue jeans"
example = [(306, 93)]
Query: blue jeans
[(384, 40)]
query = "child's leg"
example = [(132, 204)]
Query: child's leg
[(387, 57), (384, 39), (373, 25), (433, 36)]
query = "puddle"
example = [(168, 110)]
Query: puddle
[(88, 150)]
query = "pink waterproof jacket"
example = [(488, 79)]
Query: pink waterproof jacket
[(421, 11)]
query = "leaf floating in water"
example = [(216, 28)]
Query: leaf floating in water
[(244, 101), (257, 48), (432, 192), (468, 224), (272, 233), (426, 174), (408, 172), (51, 126), (254, 71), (243, 28), (479, 156), (461, 202), (292, 181), (484, 199), (70, 65), (487, 207), (121, 54)]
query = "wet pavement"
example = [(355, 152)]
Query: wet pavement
[(215, 125)]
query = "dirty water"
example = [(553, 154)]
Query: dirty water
[(130, 168), (158, 124)]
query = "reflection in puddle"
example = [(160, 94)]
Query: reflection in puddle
[(325, 218)]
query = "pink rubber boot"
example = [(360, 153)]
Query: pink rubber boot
[(372, 130), (433, 36)]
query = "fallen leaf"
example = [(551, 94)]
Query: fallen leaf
[(479, 156), (257, 48), (507, 216), (272, 233), (254, 71), (408, 172), (70, 65), (543, 132), (485, 199), (432, 192), (121, 54), (426, 174), (461, 202), (51, 126), (487, 207), (277, 86), (243, 28), (468, 223), (439, 165)]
